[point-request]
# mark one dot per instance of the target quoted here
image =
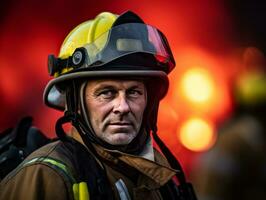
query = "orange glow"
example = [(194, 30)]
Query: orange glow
[(213, 89), (197, 135), (167, 124), (197, 85)]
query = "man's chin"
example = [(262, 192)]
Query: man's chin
[(120, 139)]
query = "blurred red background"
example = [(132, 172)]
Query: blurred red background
[(203, 36)]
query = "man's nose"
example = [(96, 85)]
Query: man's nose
[(121, 105)]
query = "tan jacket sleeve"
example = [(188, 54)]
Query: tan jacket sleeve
[(34, 182)]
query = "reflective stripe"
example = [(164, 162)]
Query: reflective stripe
[(75, 189), (48, 160), (81, 191), (55, 164), (122, 190)]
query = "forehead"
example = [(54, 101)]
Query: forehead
[(116, 83)]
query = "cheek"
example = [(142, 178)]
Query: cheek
[(94, 116), (139, 108), (92, 112), (97, 111)]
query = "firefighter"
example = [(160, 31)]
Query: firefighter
[(109, 78)]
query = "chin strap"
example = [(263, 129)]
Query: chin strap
[(71, 115)]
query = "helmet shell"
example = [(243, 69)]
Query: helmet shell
[(126, 66)]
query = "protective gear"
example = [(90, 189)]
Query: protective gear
[(70, 168), (110, 47), (63, 163)]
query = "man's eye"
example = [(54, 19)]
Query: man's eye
[(107, 93), (134, 93)]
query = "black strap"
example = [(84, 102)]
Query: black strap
[(17, 143), (185, 189), (89, 170)]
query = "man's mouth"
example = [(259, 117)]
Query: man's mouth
[(120, 124)]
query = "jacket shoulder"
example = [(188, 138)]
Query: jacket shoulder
[(40, 174), (59, 151), (35, 181)]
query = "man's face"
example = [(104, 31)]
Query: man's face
[(115, 109)]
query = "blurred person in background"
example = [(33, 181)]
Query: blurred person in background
[(235, 168)]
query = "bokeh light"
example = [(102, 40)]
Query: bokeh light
[(197, 134), (197, 85)]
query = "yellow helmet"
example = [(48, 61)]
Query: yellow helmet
[(110, 46), (86, 33)]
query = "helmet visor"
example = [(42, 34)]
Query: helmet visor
[(126, 39)]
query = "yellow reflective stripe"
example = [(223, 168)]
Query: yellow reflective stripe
[(75, 189), (58, 164), (80, 191), (48, 160), (54, 163), (83, 191)]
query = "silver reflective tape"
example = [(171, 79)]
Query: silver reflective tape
[(122, 190)]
